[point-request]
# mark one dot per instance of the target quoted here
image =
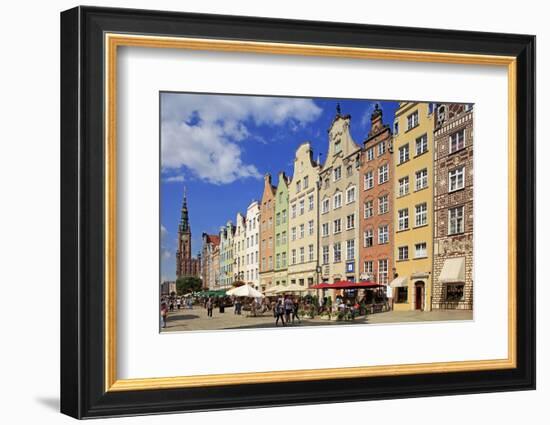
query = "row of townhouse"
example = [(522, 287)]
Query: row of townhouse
[(396, 209), (233, 254)]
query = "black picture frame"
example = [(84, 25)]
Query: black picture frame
[(83, 392)]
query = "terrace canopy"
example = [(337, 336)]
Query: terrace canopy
[(346, 284)]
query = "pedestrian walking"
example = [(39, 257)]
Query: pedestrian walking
[(279, 312), (295, 311), (178, 303), (221, 305), (289, 307), (209, 307), (163, 315)]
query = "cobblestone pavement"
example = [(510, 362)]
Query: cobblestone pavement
[(196, 319)]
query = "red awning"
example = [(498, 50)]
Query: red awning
[(345, 284)]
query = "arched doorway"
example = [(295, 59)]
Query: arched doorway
[(419, 295)]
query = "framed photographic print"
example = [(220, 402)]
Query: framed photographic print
[(261, 212)]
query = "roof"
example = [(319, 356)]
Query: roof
[(213, 239)]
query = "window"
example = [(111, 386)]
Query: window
[(383, 174), (270, 221), (350, 222), (381, 148), (421, 214), (302, 231), (350, 249), (337, 226), (337, 248), (404, 186), (420, 250), (278, 239), (278, 261), (349, 170), (293, 234), (337, 173), (456, 220), (368, 180), (337, 203), (350, 195), (283, 216), (383, 234), (456, 179), (403, 219), (421, 179), (412, 120), (310, 227), (293, 211), (370, 154), (403, 253), (382, 272), (324, 229), (325, 254), (368, 240), (325, 206), (383, 204), (402, 295), (270, 262), (283, 238), (283, 257), (367, 267), (311, 203), (302, 207), (278, 219), (263, 244), (327, 183), (302, 255), (263, 263), (404, 153), (298, 186), (310, 252), (368, 209), (455, 292), (337, 147), (293, 256), (306, 182), (396, 128), (421, 144), (456, 141)]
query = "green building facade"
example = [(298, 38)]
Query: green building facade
[(280, 276)]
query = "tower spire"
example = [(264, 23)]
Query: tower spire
[(184, 220)]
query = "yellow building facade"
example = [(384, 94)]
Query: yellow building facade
[(303, 222), (413, 150)]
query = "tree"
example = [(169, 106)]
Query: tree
[(186, 284)]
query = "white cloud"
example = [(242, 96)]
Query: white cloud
[(174, 179), (203, 132)]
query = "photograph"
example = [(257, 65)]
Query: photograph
[(283, 212)]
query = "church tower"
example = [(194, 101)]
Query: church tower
[(185, 264)]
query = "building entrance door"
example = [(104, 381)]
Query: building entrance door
[(419, 296)]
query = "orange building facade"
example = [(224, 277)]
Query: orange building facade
[(376, 199), (267, 232)]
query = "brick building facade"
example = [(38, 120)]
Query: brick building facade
[(453, 207)]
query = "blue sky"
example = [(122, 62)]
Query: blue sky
[(220, 146)]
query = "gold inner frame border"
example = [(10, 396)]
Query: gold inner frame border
[(113, 40)]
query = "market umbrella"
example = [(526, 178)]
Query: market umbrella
[(245, 291)]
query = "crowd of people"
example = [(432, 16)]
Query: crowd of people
[(286, 309)]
